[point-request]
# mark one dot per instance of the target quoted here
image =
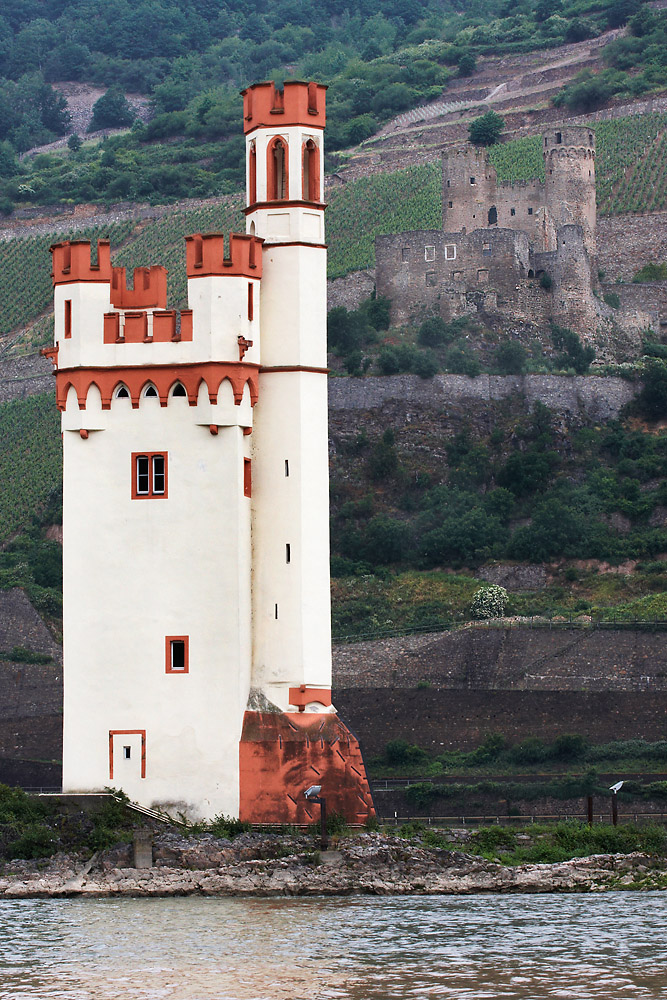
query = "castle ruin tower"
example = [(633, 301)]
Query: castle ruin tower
[(469, 187), (569, 182), (197, 637)]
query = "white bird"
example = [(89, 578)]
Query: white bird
[(312, 791), (617, 787)]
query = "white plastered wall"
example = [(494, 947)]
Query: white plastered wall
[(136, 571)]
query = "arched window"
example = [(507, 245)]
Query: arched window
[(531, 273), (493, 216), (311, 171), (252, 172), (277, 171), (150, 392), (179, 390), (122, 392)]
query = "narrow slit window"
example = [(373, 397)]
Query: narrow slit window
[(287, 467), (288, 552), (177, 654), (251, 300), (530, 211), (127, 753), (247, 477), (275, 611), (68, 318)]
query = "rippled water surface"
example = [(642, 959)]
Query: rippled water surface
[(584, 946)]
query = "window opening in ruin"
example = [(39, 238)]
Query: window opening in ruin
[(450, 204), (493, 216), (127, 753), (431, 278), (512, 211), (429, 253), (472, 180), (530, 211), (531, 273), (457, 275), (288, 553), (448, 184), (482, 276), (559, 138), (486, 249), (405, 254), (450, 252)]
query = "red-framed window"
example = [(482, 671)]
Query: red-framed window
[(68, 318), (247, 477), (149, 475), (177, 654)]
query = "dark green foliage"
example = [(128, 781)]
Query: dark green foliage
[(424, 364), (111, 110), (485, 130), (546, 280), (399, 752), (620, 12), (612, 299), (651, 272), (383, 459), (461, 361), (75, 142), (377, 311), (527, 471), (574, 355), (434, 332), (590, 90), (511, 358), (466, 64), (652, 400), (557, 529), (227, 827), (19, 654)]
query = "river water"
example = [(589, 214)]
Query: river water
[(361, 948)]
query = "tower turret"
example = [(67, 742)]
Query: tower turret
[(569, 180)]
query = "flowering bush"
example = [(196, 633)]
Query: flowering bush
[(489, 602)]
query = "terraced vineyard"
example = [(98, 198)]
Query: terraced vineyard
[(25, 265), (30, 459), (162, 241), (631, 177)]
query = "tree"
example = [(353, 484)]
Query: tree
[(111, 111), (485, 131), (652, 400), (74, 143), (510, 358), (466, 64)]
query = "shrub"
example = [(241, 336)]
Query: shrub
[(489, 602), (546, 280), (575, 354), (425, 364), (74, 143), (388, 361), (399, 751), (485, 130), (227, 827), (111, 111), (651, 272), (460, 361), (612, 299), (433, 332), (383, 460), (466, 64), (511, 358), (377, 311), (652, 400)]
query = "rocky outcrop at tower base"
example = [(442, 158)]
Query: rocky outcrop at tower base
[(282, 754)]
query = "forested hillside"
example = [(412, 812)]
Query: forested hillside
[(191, 59)]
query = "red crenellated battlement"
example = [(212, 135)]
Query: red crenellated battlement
[(149, 292), (71, 261), (205, 255), (298, 103)]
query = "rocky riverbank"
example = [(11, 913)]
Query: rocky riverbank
[(272, 865)]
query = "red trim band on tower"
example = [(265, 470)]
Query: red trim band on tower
[(298, 103)]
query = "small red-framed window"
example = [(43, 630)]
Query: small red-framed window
[(247, 477), (68, 319), (251, 300), (177, 654), (149, 475)]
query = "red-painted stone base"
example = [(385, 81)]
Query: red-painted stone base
[(282, 754)]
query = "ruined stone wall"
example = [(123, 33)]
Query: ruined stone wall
[(573, 301), (643, 306), (451, 273), (626, 242), (350, 290), (583, 396)]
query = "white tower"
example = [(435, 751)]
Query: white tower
[(195, 513)]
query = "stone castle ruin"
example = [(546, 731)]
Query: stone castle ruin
[(525, 250)]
